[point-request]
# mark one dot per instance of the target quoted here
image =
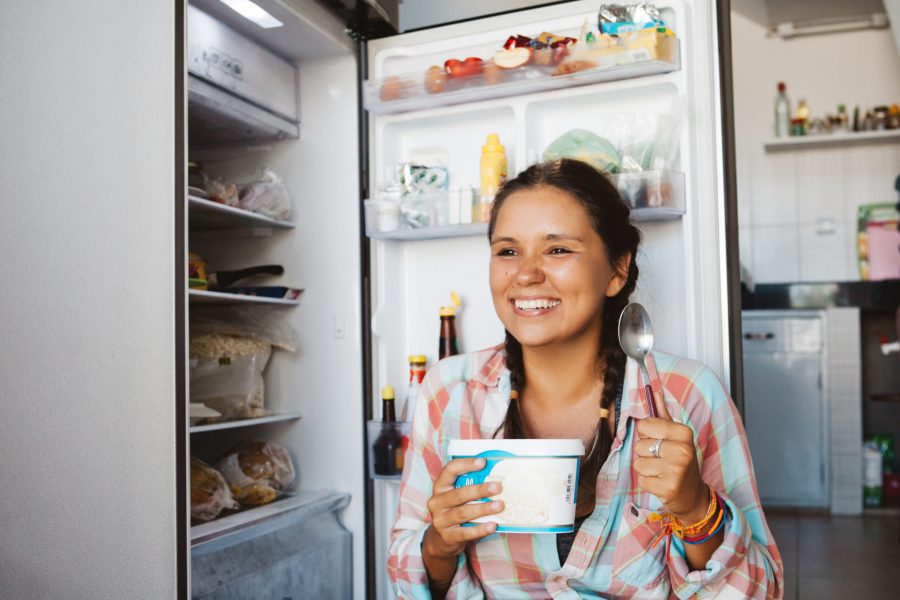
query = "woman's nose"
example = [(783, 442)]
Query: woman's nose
[(530, 271)]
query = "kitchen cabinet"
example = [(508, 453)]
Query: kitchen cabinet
[(785, 409)]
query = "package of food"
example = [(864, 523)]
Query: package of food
[(615, 19), (418, 179), (267, 195), (210, 493), (258, 472), (221, 191), (229, 350), (226, 374), (585, 146)]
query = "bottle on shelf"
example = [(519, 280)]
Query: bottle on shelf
[(388, 446), (782, 112), (448, 346), (493, 175), (843, 120), (416, 375), (802, 113)]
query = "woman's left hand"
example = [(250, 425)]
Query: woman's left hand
[(674, 477)]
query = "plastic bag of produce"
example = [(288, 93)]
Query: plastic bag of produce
[(646, 141), (221, 191), (258, 472), (585, 146), (210, 493), (267, 195)]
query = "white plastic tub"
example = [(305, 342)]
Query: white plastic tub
[(539, 479)]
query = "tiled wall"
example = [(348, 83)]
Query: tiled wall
[(798, 207)]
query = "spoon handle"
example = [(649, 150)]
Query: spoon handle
[(651, 405)]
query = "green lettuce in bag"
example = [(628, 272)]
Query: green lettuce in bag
[(585, 146)]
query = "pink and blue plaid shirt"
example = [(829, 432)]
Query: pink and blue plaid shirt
[(466, 397)]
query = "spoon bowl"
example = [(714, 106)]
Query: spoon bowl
[(636, 339)]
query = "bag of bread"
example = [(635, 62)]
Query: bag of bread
[(258, 472), (210, 493)]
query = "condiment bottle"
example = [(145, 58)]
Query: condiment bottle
[(493, 175), (782, 112), (447, 346), (416, 375), (388, 446)]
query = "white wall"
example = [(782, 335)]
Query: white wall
[(424, 13), (789, 200), (87, 433)]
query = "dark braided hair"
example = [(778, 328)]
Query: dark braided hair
[(609, 216)]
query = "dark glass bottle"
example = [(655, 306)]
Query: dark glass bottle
[(388, 446), (448, 346)]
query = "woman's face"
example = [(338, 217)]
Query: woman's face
[(550, 273)]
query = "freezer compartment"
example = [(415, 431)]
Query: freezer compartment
[(424, 90), (652, 191), (387, 445)]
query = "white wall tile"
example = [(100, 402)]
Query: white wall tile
[(775, 254), (774, 200), (823, 255)]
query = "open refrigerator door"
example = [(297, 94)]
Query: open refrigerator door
[(645, 106)]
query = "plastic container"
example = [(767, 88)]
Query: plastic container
[(652, 189), (539, 478), (423, 211)]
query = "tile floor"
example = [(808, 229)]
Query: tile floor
[(829, 557)]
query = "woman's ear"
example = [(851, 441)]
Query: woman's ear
[(620, 275)]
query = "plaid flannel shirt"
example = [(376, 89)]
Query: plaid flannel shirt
[(466, 396)]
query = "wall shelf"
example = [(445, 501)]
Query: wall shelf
[(832, 140), (206, 215), (245, 422)]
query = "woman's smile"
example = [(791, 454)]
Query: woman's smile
[(534, 307)]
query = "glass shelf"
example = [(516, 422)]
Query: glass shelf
[(206, 215), (245, 422)]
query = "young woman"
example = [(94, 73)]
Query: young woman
[(666, 506)]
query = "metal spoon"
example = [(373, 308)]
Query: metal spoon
[(636, 339)]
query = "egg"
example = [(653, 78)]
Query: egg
[(435, 79)]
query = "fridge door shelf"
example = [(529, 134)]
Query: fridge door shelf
[(409, 92), (207, 297), (245, 422), (206, 215), (652, 195)]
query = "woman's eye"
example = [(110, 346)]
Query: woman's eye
[(506, 252), (559, 251)]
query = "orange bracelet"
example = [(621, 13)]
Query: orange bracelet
[(672, 525)]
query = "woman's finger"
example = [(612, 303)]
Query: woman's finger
[(460, 535), (454, 469), (644, 447), (648, 467), (660, 402), (661, 429), (467, 493), (469, 512)]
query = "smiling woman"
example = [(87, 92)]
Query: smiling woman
[(664, 506)]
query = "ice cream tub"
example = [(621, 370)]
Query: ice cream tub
[(539, 480)]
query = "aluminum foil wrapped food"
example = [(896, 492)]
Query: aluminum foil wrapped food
[(622, 18)]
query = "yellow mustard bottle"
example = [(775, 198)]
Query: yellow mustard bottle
[(493, 175)]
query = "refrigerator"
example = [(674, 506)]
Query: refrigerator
[(372, 294)]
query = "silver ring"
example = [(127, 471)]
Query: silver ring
[(654, 449)]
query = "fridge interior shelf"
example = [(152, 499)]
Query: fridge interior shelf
[(410, 92), (207, 297), (653, 196), (832, 140), (245, 422), (206, 215), (263, 516)]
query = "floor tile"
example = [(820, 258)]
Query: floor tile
[(828, 588)]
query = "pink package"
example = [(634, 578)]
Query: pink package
[(884, 250)]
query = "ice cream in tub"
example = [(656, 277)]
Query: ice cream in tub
[(539, 480)]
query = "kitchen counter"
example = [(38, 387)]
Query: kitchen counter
[(866, 295)]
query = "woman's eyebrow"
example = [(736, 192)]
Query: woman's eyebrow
[(498, 240), (554, 237)]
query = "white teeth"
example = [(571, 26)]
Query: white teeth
[(536, 304)]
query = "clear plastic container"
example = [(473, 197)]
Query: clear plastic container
[(652, 190), (387, 218)]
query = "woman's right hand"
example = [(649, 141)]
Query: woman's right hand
[(450, 508)]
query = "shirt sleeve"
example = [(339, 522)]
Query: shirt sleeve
[(424, 459), (747, 564)]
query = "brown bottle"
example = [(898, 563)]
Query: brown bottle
[(448, 345), (388, 446)]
